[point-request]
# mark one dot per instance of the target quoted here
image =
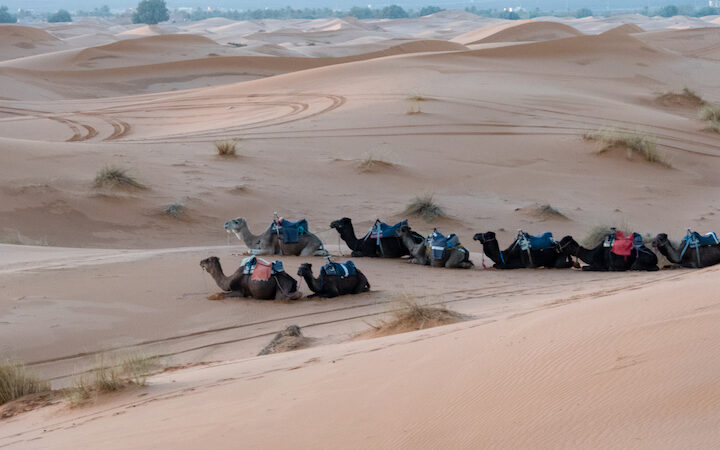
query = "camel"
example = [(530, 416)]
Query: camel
[(279, 285), (390, 247), (453, 258), (329, 286), (602, 259), (694, 258), (515, 258), (271, 243)]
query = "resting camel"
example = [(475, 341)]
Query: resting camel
[(390, 247), (328, 286), (694, 258), (279, 285), (602, 259), (453, 258), (516, 258), (269, 243)]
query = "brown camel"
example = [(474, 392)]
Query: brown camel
[(279, 286)]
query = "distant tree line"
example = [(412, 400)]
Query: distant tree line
[(155, 11), (388, 12)]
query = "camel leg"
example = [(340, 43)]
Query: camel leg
[(234, 294), (563, 263)]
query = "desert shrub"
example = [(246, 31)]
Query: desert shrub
[(424, 206), (175, 210), (227, 147), (634, 143), (116, 177), (16, 381)]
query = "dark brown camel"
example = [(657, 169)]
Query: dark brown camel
[(328, 286)]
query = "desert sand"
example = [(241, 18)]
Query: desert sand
[(487, 115)]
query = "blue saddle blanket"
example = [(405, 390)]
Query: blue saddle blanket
[(542, 242), (695, 239), (383, 230), (439, 243), (290, 231), (341, 270)]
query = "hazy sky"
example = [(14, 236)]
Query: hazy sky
[(558, 5)]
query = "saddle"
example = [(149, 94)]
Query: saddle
[(529, 242), (437, 243), (260, 269), (622, 244), (340, 270), (382, 230), (289, 232), (695, 239)]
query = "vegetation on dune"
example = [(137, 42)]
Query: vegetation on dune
[(16, 381), (424, 206), (711, 113), (634, 143), (105, 378), (175, 210), (686, 97), (411, 315), (228, 147), (115, 177)]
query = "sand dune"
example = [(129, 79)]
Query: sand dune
[(524, 31), (627, 28), (17, 41), (696, 43)]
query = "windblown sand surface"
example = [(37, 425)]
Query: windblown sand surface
[(548, 359)]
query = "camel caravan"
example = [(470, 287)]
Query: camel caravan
[(267, 280)]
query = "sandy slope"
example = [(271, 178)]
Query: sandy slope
[(614, 369), (552, 358)]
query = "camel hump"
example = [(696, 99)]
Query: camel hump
[(340, 270), (290, 232)]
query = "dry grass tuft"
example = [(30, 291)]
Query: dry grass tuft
[(372, 162), (291, 338), (424, 206), (16, 382), (116, 177), (228, 147), (175, 210), (596, 236), (412, 316), (634, 143), (711, 113), (685, 98), (105, 378)]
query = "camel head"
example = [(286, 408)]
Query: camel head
[(305, 269), (568, 245), (404, 230), (340, 224), (235, 225), (210, 263), (484, 237), (660, 240)]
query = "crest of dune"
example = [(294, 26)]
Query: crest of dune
[(520, 31)]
